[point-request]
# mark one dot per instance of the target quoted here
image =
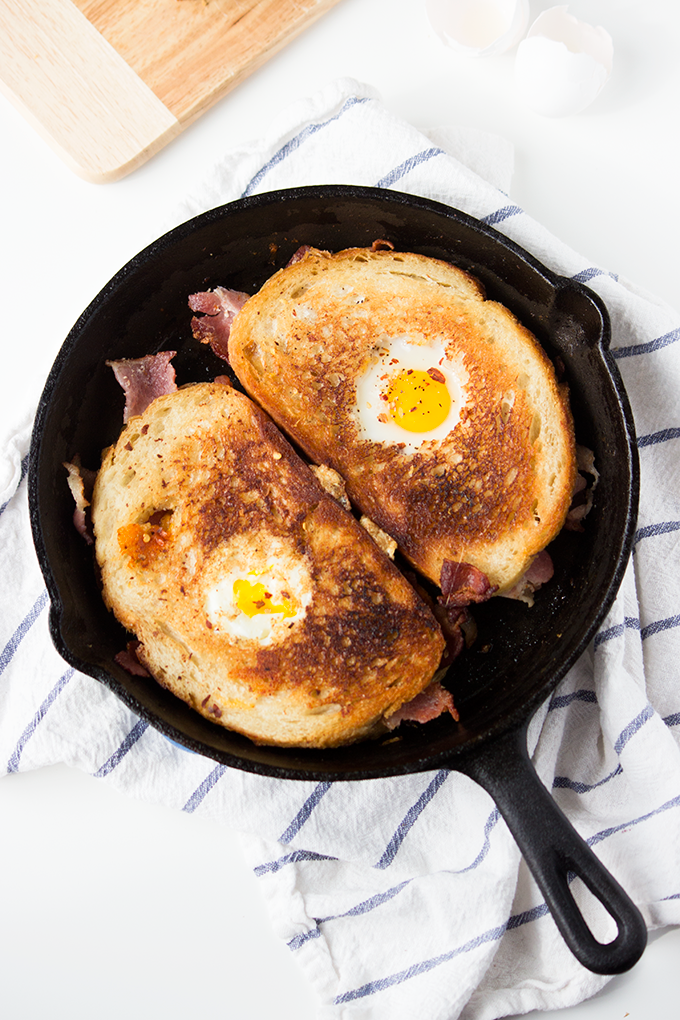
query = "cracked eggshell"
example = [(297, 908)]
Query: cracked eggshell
[(479, 28), (562, 64)]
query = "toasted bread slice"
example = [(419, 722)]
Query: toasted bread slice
[(256, 597), (440, 410)]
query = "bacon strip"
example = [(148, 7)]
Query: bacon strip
[(81, 482), (456, 622), (582, 497), (144, 379), (458, 628), (540, 570), (429, 704), (298, 255), (218, 308), (129, 661), (463, 583)]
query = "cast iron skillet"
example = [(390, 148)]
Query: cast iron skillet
[(521, 653)]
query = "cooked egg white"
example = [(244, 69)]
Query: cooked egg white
[(260, 604), (411, 393)]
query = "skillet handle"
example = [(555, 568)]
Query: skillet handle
[(553, 850)]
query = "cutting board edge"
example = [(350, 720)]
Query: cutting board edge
[(72, 161)]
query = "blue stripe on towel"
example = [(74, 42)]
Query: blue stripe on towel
[(633, 727), (629, 623), (365, 907), (502, 214), (591, 273), (292, 858), (131, 739), (295, 143), (649, 347), (410, 818), (491, 934), (409, 164), (654, 438), (564, 783), (201, 792), (304, 812), (659, 625), (527, 916), (13, 763), (491, 821), (299, 940), (651, 530), (606, 833), (563, 700), (22, 630)]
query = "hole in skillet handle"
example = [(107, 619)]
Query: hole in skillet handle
[(555, 854)]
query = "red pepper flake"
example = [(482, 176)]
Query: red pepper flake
[(435, 374)]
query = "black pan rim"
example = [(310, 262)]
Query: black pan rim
[(514, 719)]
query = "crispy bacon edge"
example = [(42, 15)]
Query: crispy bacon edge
[(81, 482), (144, 379), (380, 244), (218, 308), (582, 497), (463, 583), (129, 661), (540, 570), (428, 705), (298, 255)]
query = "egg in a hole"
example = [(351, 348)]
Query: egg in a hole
[(441, 411), (253, 595)]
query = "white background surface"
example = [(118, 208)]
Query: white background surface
[(114, 908)]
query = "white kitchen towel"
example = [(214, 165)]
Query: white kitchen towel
[(407, 897)]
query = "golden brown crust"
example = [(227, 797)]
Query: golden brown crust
[(201, 488), (496, 490)]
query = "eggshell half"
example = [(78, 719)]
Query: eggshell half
[(563, 64), (479, 28)]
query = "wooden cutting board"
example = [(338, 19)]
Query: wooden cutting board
[(110, 82)]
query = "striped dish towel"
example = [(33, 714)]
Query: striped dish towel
[(407, 897)]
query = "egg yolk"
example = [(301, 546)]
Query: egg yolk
[(253, 599), (143, 542), (417, 400)]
